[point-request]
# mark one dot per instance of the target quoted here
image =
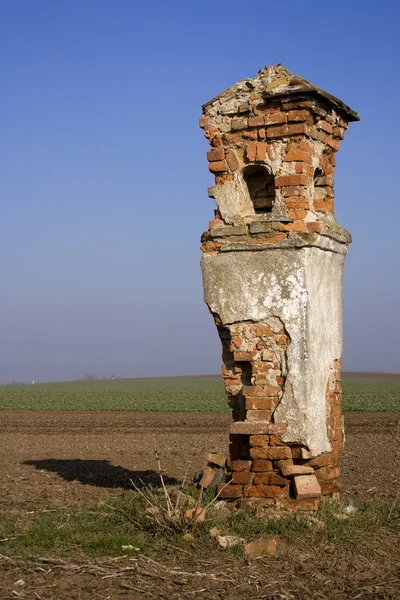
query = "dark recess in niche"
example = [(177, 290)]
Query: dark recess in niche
[(261, 185), (319, 184)]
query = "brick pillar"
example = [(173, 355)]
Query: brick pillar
[(272, 270)]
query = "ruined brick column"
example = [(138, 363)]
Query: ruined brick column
[(272, 270)]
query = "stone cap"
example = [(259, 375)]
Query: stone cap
[(276, 82)]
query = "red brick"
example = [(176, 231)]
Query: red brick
[(263, 491), (259, 453), (337, 375), (281, 464), (267, 378), (300, 115), (237, 139), (216, 141), (316, 134), (325, 206), (279, 453), (256, 121), (331, 487), (264, 367), (275, 119), (272, 491), (337, 445), (338, 132), (232, 161), (297, 203), (297, 129), (261, 133), (271, 453), (306, 486), (236, 342), (292, 191), (303, 144), (296, 104), (244, 356), (314, 226), (242, 478), (232, 381), (327, 473), (261, 152), (259, 391), (216, 154), (246, 428), (271, 478), (293, 470), (261, 465), (295, 226), (230, 491), (265, 109), (302, 168), (324, 125), (288, 180), (297, 214), (275, 132), (332, 143), (251, 151), (211, 247), (268, 240), (221, 179), (330, 422), (338, 422), (215, 223), (261, 441), (251, 491), (258, 415), (275, 440), (260, 404), (264, 331), (209, 133), (336, 410), (297, 453), (219, 166), (241, 465), (298, 155)]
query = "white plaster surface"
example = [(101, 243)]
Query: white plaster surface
[(303, 287)]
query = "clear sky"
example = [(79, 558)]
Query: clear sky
[(104, 175)]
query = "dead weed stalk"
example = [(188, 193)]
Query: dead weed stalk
[(174, 511)]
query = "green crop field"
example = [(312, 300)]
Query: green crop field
[(186, 394)]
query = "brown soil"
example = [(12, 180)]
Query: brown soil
[(64, 458), (68, 458)]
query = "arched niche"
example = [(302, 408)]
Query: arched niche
[(261, 186)]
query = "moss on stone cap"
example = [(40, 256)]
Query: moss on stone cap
[(278, 82)]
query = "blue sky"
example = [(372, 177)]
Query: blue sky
[(103, 174)]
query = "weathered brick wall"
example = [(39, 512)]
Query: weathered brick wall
[(304, 142), (273, 143)]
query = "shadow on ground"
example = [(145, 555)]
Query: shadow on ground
[(100, 473)]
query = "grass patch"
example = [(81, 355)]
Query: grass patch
[(194, 394), (103, 530)]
